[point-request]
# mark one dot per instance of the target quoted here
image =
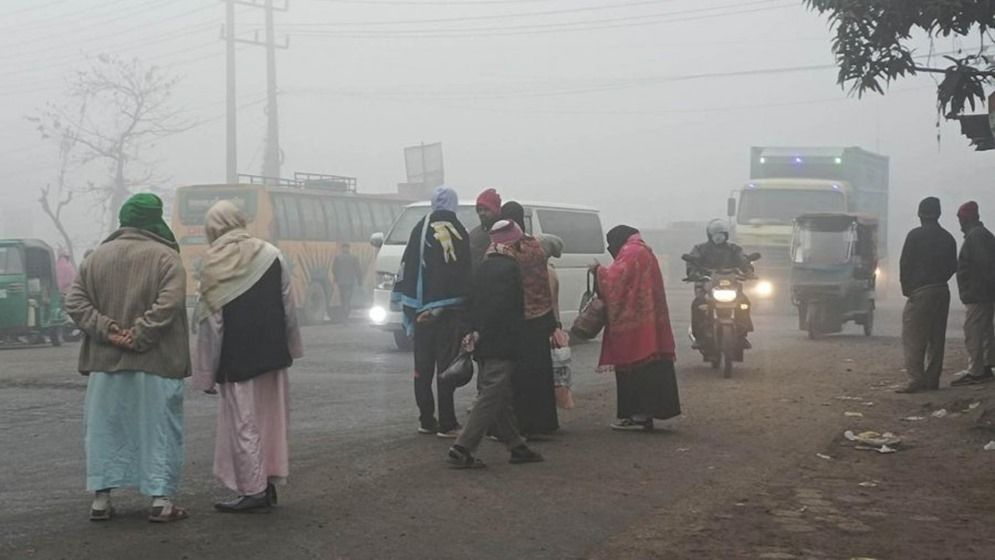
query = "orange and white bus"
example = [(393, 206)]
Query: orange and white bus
[(308, 217)]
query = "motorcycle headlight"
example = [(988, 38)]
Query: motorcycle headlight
[(724, 296), (764, 289), (385, 281)]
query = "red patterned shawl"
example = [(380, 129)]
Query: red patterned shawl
[(638, 326)]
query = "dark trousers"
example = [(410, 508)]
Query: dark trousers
[(493, 410), (345, 301), (436, 346), (924, 334)]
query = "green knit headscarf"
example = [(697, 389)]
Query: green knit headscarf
[(144, 211)]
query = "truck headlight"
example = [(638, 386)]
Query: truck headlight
[(724, 296), (385, 281), (378, 315), (764, 289)]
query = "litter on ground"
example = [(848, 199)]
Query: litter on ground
[(854, 414)]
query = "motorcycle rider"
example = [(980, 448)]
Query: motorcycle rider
[(715, 254)]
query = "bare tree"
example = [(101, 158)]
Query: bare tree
[(117, 110)]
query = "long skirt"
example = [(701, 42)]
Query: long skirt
[(251, 446), (532, 382), (648, 391), (134, 432)]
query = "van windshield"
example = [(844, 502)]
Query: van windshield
[(401, 231)]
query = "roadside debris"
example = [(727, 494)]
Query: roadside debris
[(990, 446), (846, 398), (913, 418), (854, 414), (874, 441), (823, 456), (940, 413), (868, 484)]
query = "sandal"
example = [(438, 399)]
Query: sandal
[(101, 514), (167, 514)]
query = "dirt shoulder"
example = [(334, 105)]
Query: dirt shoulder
[(933, 498)]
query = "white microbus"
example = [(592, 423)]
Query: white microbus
[(578, 226)]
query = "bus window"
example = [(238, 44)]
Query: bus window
[(288, 213), (335, 230), (343, 210), (381, 216), (366, 219), (314, 219), (580, 231)]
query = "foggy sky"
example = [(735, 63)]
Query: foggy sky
[(605, 117)]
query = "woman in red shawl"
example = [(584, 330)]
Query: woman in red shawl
[(638, 343)]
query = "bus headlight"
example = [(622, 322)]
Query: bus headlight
[(764, 289), (724, 296), (385, 281), (378, 315)]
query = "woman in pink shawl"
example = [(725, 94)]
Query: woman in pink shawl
[(247, 338), (638, 344), (65, 271)]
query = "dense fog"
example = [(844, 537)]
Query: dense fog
[(643, 109)]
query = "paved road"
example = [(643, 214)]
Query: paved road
[(364, 485)]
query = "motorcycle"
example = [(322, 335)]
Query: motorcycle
[(723, 296)]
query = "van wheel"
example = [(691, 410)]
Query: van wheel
[(403, 342), (315, 304)]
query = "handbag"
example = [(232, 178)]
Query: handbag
[(460, 372), (593, 315)]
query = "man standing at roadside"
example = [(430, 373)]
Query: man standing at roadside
[(130, 300), (348, 274), (489, 211), (976, 281), (929, 260)]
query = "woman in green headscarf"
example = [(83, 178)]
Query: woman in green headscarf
[(144, 211)]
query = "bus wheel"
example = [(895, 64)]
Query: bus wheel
[(403, 342), (315, 304)]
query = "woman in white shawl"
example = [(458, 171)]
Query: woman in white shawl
[(247, 338)]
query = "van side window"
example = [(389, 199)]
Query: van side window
[(580, 231)]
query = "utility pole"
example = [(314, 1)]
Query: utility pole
[(231, 130), (273, 155), (271, 161)]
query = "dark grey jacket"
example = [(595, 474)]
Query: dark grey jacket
[(976, 265)]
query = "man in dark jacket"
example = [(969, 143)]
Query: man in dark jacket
[(489, 212), (976, 281), (929, 260), (432, 288), (348, 273), (497, 313)]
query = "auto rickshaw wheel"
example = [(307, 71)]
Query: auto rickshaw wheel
[(55, 336)]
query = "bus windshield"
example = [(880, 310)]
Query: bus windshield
[(781, 207), (401, 230), (194, 203)]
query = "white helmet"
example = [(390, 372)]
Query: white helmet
[(718, 231)]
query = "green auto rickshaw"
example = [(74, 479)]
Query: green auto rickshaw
[(30, 302), (833, 271)]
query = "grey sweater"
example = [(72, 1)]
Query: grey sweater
[(134, 280)]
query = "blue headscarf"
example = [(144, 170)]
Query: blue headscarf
[(445, 198)]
